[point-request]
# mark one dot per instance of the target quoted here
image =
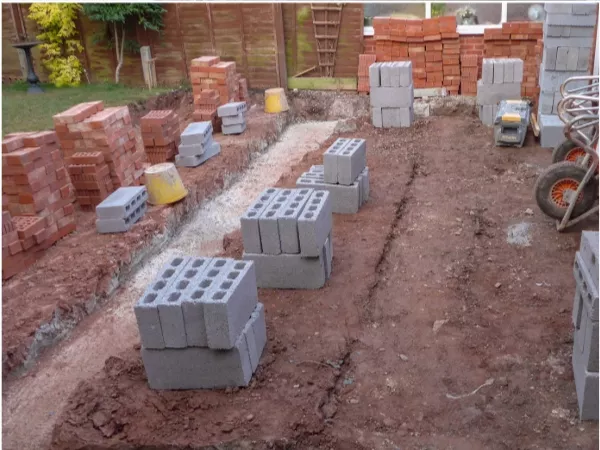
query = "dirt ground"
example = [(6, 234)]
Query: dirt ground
[(446, 323)]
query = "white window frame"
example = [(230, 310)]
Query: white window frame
[(460, 29)]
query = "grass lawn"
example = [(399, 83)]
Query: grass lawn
[(24, 112)]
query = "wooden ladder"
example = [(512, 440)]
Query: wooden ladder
[(327, 19)]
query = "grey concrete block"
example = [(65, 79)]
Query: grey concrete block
[(492, 94), (328, 256), (558, 8), (374, 75), (551, 130), (584, 8), (233, 129), (571, 41), (562, 57), (586, 283), (146, 309), (572, 58), (406, 79), (288, 271), (588, 250), (578, 307), (550, 81), (499, 71), (315, 223), (546, 103), (230, 305), (365, 185), (586, 386), (581, 31), (571, 20), (549, 58), (197, 149), (377, 117), (257, 332), (317, 169), (388, 97), (287, 220), (390, 117), (585, 341), (407, 117), (487, 114), (517, 70), (121, 225), (385, 73), (487, 71), (231, 109), (195, 161), (122, 202), (330, 159), (249, 220), (267, 223), (583, 60), (556, 31), (395, 74), (351, 160), (345, 199), (238, 119), (509, 70), (196, 132)]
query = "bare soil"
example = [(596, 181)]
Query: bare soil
[(434, 331)]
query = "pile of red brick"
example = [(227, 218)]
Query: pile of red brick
[(469, 74), (160, 135), (518, 40), (214, 83), (432, 45), (364, 61), (37, 198), (90, 177)]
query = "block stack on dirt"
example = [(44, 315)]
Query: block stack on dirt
[(197, 145), (287, 234), (160, 135), (37, 194), (201, 325), (500, 80), (364, 62), (233, 117), (121, 209), (585, 321), (392, 94), (567, 52), (89, 127), (344, 175)]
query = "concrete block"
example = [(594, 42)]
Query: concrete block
[(585, 341), (406, 79), (558, 8), (344, 199), (557, 99), (407, 117), (330, 159), (499, 71), (586, 386), (571, 41), (546, 103), (562, 56), (238, 119), (550, 81), (487, 114), (365, 184), (231, 109), (255, 331), (195, 161), (146, 309), (583, 60), (509, 70), (210, 273), (492, 94), (122, 202), (395, 74), (288, 271), (578, 307), (581, 32), (586, 284), (517, 70), (549, 58), (487, 71), (121, 225), (351, 160), (233, 129), (388, 97), (385, 72), (315, 223), (571, 20), (588, 250), (287, 220), (374, 75), (556, 30), (249, 220), (551, 130), (230, 305), (572, 58), (196, 132), (197, 149), (584, 8), (390, 117), (328, 257), (317, 169), (377, 117), (267, 223)]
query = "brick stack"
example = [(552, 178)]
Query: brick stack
[(160, 135), (469, 74), (450, 54), (500, 80), (201, 325), (37, 193), (364, 61), (90, 176), (567, 51), (392, 94)]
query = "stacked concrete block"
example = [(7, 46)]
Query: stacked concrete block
[(392, 94), (121, 209), (233, 117), (91, 179), (201, 325), (567, 52), (585, 321), (500, 80), (197, 145), (287, 234), (160, 135)]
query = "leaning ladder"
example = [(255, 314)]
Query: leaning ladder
[(326, 18)]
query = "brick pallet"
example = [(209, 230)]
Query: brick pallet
[(37, 198), (201, 325), (501, 79), (160, 135), (392, 94)]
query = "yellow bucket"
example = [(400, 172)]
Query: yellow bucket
[(275, 101), (164, 184)]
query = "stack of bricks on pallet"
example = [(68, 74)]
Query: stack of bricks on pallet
[(392, 94), (37, 193), (91, 127), (197, 145), (121, 209), (201, 325), (90, 177), (287, 234), (364, 62), (568, 50), (500, 80), (160, 135), (233, 117), (342, 161), (585, 321)]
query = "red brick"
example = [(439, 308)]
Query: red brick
[(11, 144), (27, 226)]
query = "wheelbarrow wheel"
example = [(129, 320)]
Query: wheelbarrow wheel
[(556, 181), (568, 151)]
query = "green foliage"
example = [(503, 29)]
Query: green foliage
[(60, 43), (148, 15), (438, 9)]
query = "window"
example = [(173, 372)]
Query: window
[(470, 13), (402, 10), (516, 11)]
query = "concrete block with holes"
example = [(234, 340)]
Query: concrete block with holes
[(249, 220), (344, 199), (344, 160), (315, 223), (196, 160), (287, 220), (551, 130), (268, 223), (121, 210), (391, 94)]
